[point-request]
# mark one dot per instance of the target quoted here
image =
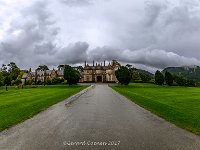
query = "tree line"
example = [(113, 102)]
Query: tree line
[(170, 79), (11, 74), (127, 74)]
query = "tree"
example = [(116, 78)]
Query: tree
[(71, 75), (18, 82), (4, 67), (11, 66), (169, 78), (14, 73), (144, 77), (7, 80), (1, 79), (135, 75), (42, 68), (123, 75), (184, 82), (129, 66), (159, 78)]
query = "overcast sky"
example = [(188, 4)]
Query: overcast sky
[(151, 34)]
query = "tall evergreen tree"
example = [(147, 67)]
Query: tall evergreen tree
[(159, 78), (169, 78)]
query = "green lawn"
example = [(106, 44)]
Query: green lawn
[(179, 105), (17, 105)]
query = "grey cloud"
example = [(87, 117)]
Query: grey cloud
[(77, 2), (153, 34), (29, 35), (155, 58), (73, 53)]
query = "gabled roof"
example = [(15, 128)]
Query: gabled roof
[(25, 75), (60, 72)]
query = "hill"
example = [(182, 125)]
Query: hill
[(189, 72), (146, 72)]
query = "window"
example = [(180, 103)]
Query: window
[(88, 78)]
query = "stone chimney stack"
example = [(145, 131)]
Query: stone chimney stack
[(104, 63), (93, 63), (85, 63)]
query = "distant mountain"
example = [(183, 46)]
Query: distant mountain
[(143, 71), (189, 72), (146, 72)]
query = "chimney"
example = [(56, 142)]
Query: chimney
[(93, 63), (85, 63), (104, 63)]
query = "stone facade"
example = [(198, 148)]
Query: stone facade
[(100, 73), (42, 75), (93, 73)]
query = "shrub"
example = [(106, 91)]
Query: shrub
[(144, 77)]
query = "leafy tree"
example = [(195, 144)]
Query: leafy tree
[(180, 80), (184, 82), (191, 83), (1, 79), (129, 66), (14, 73), (71, 75), (169, 78), (159, 78), (9, 73), (144, 77), (11, 66), (123, 75), (80, 68), (42, 68), (7, 80), (4, 67), (135, 75), (18, 82)]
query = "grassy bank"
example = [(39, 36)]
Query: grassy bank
[(179, 105), (17, 105)]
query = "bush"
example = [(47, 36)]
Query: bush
[(48, 82), (123, 75), (29, 82), (39, 82), (56, 80), (159, 78), (144, 77), (184, 82), (18, 82), (135, 76)]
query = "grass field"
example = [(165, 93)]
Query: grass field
[(17, 105), (179, 105)]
